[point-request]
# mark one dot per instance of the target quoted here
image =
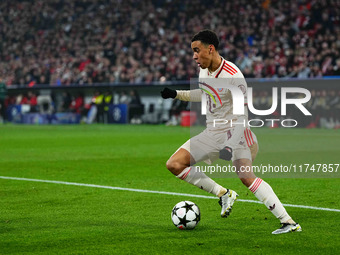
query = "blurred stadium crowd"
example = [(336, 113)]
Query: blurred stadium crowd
[(61, 42)]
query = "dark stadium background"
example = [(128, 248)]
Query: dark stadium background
[(73, 50)]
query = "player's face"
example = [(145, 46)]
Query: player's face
[(202, 54)]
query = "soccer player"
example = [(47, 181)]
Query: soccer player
[(236, 143)]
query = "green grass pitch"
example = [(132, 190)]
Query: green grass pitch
[(46, 218)]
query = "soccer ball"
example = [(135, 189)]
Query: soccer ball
[(185, 215)]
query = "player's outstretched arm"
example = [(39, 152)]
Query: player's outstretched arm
[(168, 93), (194, 95)]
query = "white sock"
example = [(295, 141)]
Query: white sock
[(265, 194), (193, 176)]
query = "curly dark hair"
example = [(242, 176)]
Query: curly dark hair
[(206, 37)]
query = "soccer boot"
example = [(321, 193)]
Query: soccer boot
[(286, 228), (226, 202)]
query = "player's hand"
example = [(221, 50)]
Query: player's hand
[(226, 153), (168, 93)]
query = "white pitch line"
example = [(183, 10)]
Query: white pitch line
[(157, 192)]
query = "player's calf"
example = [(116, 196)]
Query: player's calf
[(244, 171), (195, 177), (180, 160), (175, 167)]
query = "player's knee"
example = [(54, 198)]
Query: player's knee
[(174, 166)]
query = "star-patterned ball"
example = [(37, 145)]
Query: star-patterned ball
[(185, 215)]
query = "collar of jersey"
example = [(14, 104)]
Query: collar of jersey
[(213, 74)]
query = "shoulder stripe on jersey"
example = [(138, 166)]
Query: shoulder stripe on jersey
[(228, 71), (220, 69), (229, 68), (232, 68)]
